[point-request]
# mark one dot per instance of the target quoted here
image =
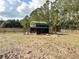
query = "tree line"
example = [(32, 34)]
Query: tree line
[(62, 13), (10, 24)]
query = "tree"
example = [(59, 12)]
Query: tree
[(11, 24), (62, 13), (25, 22)]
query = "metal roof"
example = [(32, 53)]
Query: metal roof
[(38, 24), (33, 22)]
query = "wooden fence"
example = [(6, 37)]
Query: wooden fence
[(11, 30), (24, 30)]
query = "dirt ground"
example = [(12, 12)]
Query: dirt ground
[(56, 46)]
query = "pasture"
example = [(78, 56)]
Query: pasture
[(56, 46)]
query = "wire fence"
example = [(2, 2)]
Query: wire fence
[(67, 30)]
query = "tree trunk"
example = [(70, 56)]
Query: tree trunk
[(50, 30)]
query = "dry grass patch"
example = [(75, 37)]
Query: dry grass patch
[(19, 46)]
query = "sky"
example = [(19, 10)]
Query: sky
[(18, 8)]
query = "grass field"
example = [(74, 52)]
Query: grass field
[(20, 46)]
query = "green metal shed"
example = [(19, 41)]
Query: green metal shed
[(39, 27)]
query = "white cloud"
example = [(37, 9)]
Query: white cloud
[(27, 8), (2, 2), (18, 8), (22, 7), (2, 8), (36, 4), (8, 8)]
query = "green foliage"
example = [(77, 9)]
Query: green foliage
[(63, 13), (11, 24), (25, 22), (68, 15), (34, 16)]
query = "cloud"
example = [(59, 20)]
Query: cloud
[(8, 8), (22, 7), (36, 3), (27, 8), (18, 8), (2, 8)]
